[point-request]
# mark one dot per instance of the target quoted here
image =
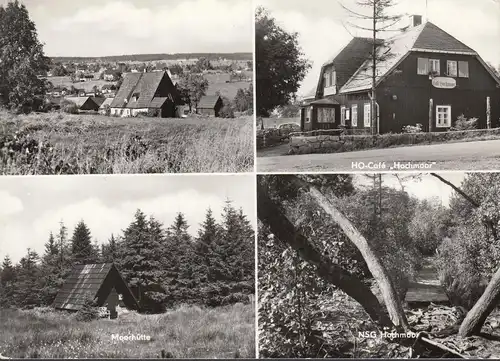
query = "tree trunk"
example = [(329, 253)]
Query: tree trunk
[(377, 269), (270, 214), (475, 318)]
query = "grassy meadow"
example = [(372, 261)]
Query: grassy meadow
[(186, 332), (58, 143)]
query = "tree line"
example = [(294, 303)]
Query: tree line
[(163, 266)]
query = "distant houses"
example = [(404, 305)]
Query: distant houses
[(151, 93), (210, 105)]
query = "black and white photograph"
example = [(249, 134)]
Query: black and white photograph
[(126, 86), (369, 85), (379, 265), (127, 266)]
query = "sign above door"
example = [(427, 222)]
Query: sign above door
[(444, 82)]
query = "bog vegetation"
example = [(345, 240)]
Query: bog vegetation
[(189, 278), (56, 143), (316, 290)]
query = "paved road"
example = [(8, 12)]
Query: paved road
[(478, 155)]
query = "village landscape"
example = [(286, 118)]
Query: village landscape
[(400, 83), (375, 265), (137, 113), (89, 276)]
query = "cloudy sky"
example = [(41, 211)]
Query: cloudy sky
[(117, 27), (423, 186), (32, 207), (322, 33)]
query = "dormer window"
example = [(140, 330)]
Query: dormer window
[(136, 96), (329, 78)]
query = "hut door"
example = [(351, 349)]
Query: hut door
[(112, 302)]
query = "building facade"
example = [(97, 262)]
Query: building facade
[(424, 76)]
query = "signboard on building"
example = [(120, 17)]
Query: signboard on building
[(444, 83)]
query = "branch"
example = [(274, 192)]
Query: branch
[(376, 267), (458, 190), (270, 214)]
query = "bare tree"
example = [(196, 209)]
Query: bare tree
[(376, 20)]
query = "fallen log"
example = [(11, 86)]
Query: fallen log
[(437, 345)]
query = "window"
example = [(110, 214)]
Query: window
[(326, 115), (333, 80), (423, 66), (443, 116), (434, 66), (354, 115), (342, 115), (451, 68), (308, 114), (367, 115), (327, 79), (463, 69)]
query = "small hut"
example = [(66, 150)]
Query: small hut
[(210, 105), (100, 282)]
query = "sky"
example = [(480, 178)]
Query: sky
[(122, 27), (32, 207), (424, 186), (322, 28)]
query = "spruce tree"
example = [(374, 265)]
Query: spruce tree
[(109, 251), (28, 283), (140, 260), (50, 271), (81, 244), (7, 283)]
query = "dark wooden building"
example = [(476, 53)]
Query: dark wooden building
[(429, 77), (100, 282), (85, 104), (146, 93), (210, 105)]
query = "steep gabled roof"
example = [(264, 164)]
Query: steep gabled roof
[(426, 37), (208, 101), (145, 89), (125, 92), (98, 100), (92, 281), (138, 91), (79, 101)]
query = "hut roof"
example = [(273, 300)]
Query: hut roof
[(94, 281), (208, 101)]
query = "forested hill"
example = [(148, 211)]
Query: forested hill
[(153, 57)]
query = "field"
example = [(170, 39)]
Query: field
[(65, 81), (57, 143), (217, 82), (186, 332)]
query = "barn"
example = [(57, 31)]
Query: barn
[(100, 282), (146, 93), (210, 105), (425, 76)]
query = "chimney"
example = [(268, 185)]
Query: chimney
[(415, 20)]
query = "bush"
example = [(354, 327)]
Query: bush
[(69, 107), (463, 124), (417, 128), (153, 112), (88, 312)]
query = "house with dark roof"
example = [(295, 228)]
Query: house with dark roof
[(141, 93), (210, 105), (85, 104), (100, 282), (424, 75)]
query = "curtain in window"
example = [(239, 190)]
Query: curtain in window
[(326, 115)]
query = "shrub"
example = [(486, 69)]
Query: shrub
[(88, 312), (69, 107), (463, 124), (417, 128), (153, 112)]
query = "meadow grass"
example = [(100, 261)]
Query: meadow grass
[(185, 332), (96, 144)]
